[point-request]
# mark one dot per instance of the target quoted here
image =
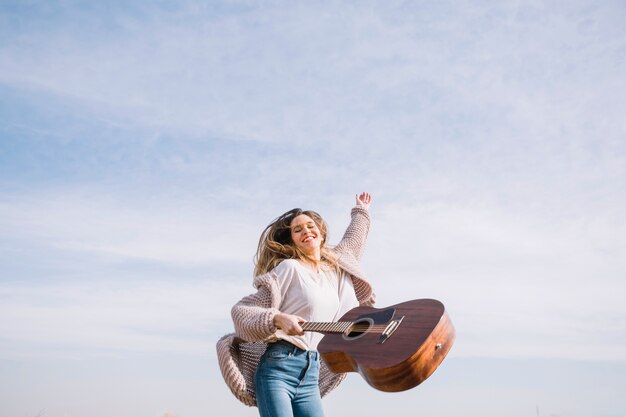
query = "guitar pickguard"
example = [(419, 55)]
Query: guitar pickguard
[(379, 317), (365, 321)]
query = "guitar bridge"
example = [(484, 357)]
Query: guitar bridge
[(391, 327)]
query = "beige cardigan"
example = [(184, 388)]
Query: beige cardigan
[(239, 353)]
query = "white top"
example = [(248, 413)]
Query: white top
[(320, 297)]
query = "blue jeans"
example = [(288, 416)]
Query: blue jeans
[(287, 382)]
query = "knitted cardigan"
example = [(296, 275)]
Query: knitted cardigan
[(239, 353)]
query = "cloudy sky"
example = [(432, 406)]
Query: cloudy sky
[(145, 145)]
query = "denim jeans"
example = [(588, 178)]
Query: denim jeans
[(287, 382)]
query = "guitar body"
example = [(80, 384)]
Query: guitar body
[(409, 355)]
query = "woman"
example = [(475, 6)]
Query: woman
[(270, 362)]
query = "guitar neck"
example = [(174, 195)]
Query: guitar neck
[(326, 327)]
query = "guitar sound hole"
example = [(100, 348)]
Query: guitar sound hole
[(358, 328)]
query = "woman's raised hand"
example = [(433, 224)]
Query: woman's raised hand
[(364, 200)]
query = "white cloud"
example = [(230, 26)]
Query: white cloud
[(505, 118), (72, 319), (514, 284), (143, 149), (303, 73), (180, 231), (536, 279)]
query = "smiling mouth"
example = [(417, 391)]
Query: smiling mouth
[(308, 239)]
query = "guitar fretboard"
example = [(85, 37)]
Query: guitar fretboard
[(326, 327)]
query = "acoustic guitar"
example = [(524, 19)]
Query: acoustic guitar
[(394, 348)]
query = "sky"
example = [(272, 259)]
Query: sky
[(145, 145)]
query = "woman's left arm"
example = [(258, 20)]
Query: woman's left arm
[(356, 234)]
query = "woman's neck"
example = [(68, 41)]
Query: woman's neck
[(311, 263)]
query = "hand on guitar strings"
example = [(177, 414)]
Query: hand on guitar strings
[(289, 323)]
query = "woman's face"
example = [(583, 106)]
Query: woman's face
[(306, 235)]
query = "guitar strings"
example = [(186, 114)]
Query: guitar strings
[(358, 328)]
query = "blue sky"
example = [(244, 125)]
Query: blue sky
[(145, 145)]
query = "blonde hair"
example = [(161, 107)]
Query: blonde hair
[(276, 244)]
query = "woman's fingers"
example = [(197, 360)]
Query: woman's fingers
[(289, 324), (364, 198)]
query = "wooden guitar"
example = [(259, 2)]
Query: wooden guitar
[(394, 348)]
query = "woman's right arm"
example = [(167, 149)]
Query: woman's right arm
[(253, 316), (256, 317)]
